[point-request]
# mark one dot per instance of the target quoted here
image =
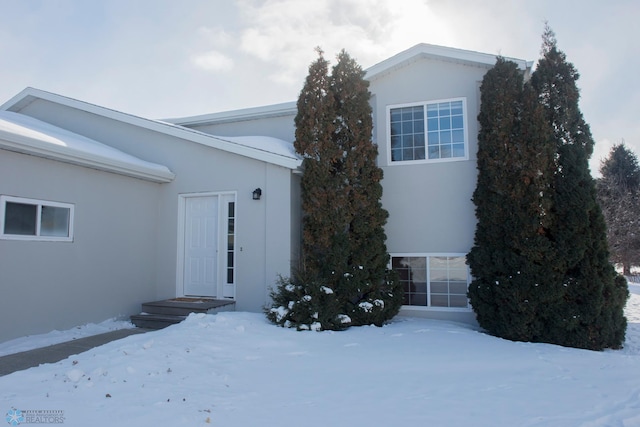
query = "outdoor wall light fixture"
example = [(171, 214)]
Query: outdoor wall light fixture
[(257, 193)]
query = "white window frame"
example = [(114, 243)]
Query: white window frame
[(39, 203), (428, 255), (424, 104)]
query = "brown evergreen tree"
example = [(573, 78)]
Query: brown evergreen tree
[(343, 278)]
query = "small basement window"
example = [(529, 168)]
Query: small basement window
[(29, 219), (431, 280)]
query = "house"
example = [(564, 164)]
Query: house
[(102, 210)]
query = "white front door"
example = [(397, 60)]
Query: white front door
[(207, 245), (201, 246)]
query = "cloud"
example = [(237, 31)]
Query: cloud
[(210, 45), (216, 36), (212, 61), (284, 33)]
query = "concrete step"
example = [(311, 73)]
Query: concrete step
[(160, 314), (155, 321), (184, 306)]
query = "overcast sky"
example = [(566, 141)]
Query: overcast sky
[(173, 58)]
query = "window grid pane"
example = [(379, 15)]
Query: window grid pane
[(407, 133), (446, 130), (231, 212), (412, 273), (448, 281)]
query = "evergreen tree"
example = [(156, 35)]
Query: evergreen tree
[(305, 301), (621, 167), (370, 293), (591, 315), (511, 253), (343, 279), (314, 142), (619, 197), (540, 257)]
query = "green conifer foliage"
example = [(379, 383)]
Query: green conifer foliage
[(621, 167), (363, 280), (591, 315), (343, 278), (511, 250), (540, 256), (619, 197)]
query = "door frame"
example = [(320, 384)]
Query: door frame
[(222, 241)]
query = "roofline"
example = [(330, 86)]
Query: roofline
[(33, 146), (425, 50), (29, 94), (422, 50), (262, 112)]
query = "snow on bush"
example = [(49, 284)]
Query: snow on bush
[(280, 312), (366, 306), (343, 318)]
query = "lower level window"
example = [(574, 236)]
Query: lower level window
[(433, 280), (29, 219)]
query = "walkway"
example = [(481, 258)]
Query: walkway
[(57, 352)]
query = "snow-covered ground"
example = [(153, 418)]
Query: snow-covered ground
[(235, 369)]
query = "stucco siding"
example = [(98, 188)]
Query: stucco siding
[(263, 236), (429, 204), (276, 127), (107, 269), (430, 208), (127, 246)]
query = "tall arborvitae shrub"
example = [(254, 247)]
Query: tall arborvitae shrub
[(362, 280), (540, 257), (592, 313), (511, 254), (343, 278), (299, 300)]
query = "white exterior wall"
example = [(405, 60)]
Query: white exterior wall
[(106, 271), (263, 227), (429, 204), (282, 127)]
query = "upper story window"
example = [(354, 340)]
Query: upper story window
[(29, 219), (428, 131)]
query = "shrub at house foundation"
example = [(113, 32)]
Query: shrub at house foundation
[(540, 259), (343, 279)]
